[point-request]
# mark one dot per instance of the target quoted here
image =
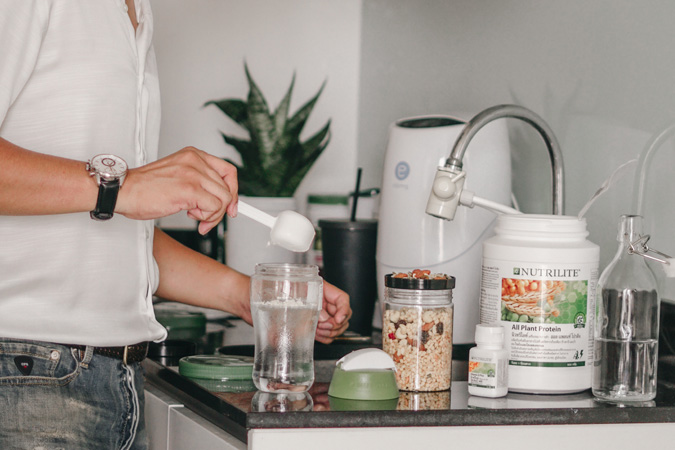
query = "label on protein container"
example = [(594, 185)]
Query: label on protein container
[(546, 311)]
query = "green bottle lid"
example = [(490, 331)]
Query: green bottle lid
[(374, 384), (216, 367), (173, 319)]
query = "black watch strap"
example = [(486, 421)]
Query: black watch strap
[(107, 198)]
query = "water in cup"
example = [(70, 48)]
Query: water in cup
[(626, 361), (285, 305), (627, 322), (627, 369), (284, 337)]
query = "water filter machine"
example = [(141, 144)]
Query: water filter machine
[(409, 238)]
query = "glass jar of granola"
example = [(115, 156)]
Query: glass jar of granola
[(417, 329)]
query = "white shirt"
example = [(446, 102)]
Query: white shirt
[(76, 81)]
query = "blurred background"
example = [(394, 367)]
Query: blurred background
[(600, 72)]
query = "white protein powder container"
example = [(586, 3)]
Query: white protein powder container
[(538, 281)]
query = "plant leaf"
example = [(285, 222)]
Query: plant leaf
[(250, 157), (293, 183), (260, 123), (297, 122), (251, 183), (297, 155), (288, 144), (310, 152), (281, 113), (234, 108), (277, 155), (319, 140), (274, 161)]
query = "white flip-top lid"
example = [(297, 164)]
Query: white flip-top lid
[(366, 359)]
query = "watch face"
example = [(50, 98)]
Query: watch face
[(109, 166)]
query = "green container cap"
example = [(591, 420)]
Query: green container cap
[(174, 319), (376, 384), (328, 199), (216, 367)]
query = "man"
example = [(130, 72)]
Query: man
[(80, 258)]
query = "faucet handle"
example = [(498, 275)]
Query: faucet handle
[(445, 192)]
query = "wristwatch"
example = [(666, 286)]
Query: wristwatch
[(109, 172)]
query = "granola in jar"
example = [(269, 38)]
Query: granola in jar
[(417, 329), (423, 401)]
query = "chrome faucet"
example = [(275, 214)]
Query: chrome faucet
[(447, 189)]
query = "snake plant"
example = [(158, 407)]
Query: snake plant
[(274, 159)]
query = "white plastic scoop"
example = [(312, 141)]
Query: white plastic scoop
[(290, 230)]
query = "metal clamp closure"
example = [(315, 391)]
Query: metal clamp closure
[(640, 247)]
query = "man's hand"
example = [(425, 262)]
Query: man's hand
[(189, 180), (335, 314)]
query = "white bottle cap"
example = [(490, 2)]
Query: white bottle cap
[(489, 334), (366, 359)]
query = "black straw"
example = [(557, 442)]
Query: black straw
[(356, 194)]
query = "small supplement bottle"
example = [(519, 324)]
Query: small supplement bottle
[(417, 329), (488, 363)]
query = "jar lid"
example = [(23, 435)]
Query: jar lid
[(216, 367), (174, 319), (533, 226), (419, 283), (283, 270), (346, 224)]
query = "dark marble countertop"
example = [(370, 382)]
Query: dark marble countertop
[(237, 412)]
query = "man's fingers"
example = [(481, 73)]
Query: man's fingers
[(225, 184), (189, 180), (227, 173)]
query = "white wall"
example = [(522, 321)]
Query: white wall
[(600, 72), (201, 47)]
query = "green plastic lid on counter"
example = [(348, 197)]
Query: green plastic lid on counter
[(175, 319), (216, 367), (181, 324), (219, 373)]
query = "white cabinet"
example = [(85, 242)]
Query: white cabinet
[(189, 431), (171, 426), (157, 407)]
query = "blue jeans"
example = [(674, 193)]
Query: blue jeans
[(56, 397)]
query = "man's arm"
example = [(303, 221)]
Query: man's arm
[(187, 276), (190, 277), (34, 183), (189, 180)]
